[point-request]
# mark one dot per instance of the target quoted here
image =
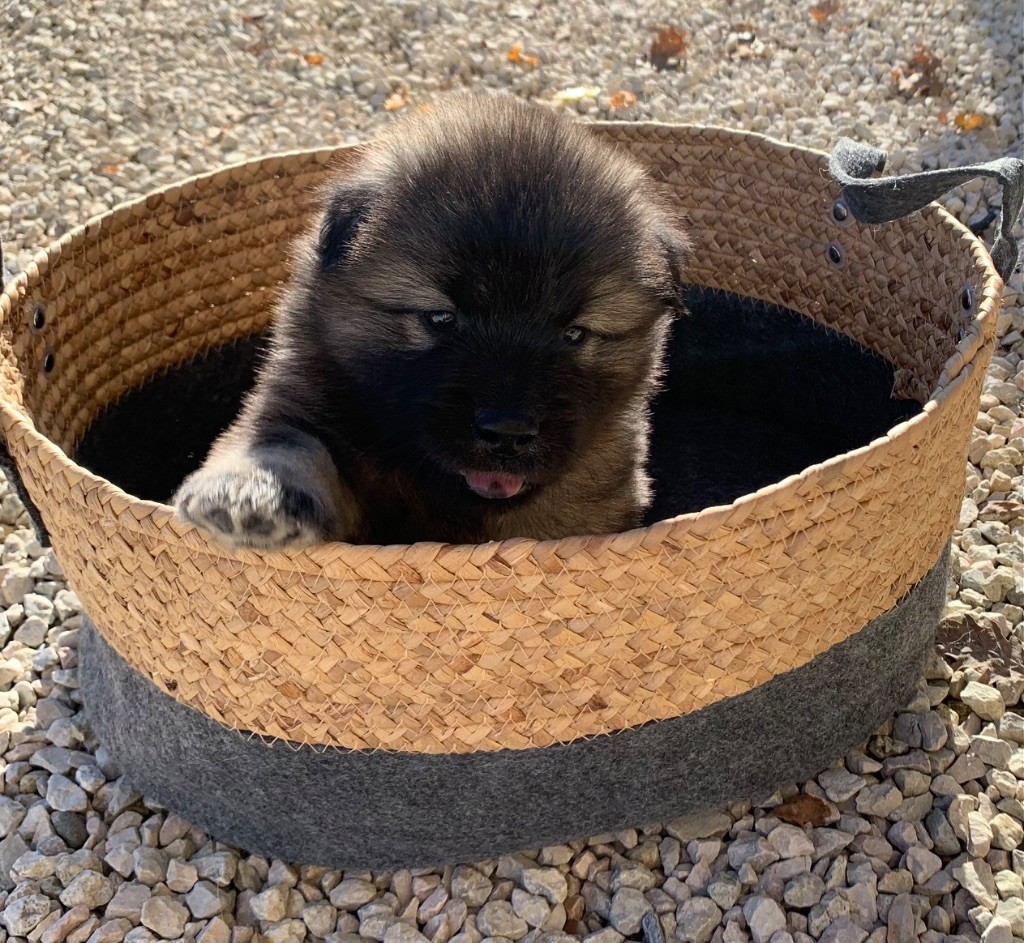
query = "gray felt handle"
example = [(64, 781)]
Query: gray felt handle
[(883, 199), (10, 466)]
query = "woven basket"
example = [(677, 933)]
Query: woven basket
[(445, 651)]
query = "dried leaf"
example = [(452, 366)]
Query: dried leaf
[(294, 51), (943, 116), (970, 121), (919, 77), (621, 100), (802, 810), (397, 100), (518, 57), (822, 11), (967, 641), (253, 19), (112, 168), (668, 49), (314, 58), (569, 96)]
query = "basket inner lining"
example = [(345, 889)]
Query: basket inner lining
[(754, 393)]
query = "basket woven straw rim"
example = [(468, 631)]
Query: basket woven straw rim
[(337, 556)]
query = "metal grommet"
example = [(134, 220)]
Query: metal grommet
[(49, 361), (967, 298), (835, 254), (38, 316), (841, 212)]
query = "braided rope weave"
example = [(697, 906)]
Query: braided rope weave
[(440, 648)]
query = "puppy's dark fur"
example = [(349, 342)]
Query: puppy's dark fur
[(451, 272)]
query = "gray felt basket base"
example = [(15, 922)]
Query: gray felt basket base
[(380, 810)]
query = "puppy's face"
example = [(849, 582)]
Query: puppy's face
[(499, 288)]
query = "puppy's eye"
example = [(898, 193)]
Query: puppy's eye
[(574, 334), (439, 319)]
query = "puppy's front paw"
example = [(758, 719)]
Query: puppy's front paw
[(252, 507)]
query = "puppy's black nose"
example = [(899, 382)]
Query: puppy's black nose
[(506, 431)]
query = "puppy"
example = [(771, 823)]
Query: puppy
[(467, 347)]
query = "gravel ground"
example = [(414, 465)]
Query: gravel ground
[(915, 835)]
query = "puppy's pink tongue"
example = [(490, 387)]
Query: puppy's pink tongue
[(494, 484)]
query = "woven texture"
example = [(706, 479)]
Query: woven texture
[(440, 648)]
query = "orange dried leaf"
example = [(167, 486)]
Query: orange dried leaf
[(294, 51), (943, 116), (518, 57), (397, 100), (253, 19), (314, 58), (622, 100), (970, 121), (822, 11), (668, 48), (112, 169), (918, 78), (804, 810)]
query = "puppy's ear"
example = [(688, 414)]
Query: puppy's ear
[(675, 248), (347, 206)]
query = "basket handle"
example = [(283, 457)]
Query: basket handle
[(10, 466), (883, 199)]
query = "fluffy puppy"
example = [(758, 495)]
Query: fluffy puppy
[(467, 347)]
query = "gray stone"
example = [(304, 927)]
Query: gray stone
[(992, 751), (984, 700), (351, 894), (900, 920), (882, 799), (922, 863), (979, 834), (627, 910), (933, 731), (219, 868), (896, 882), (764, 918), (829, 841), (724, 889), (840, 784), (181, 876), (271, 905), (533, 908), (150, 865), (206, 900), (127, 902), (548, 882), (65, 795), (997, 931), (788, 841), (696, 920), (165, 916), (843, 930), (604, 935), (804, 891), (402, 933), (975, 877), (701, 825), (286, 931), (497, 918), (319, 916), (216, 931), (1007, 832), (24, 914), (469, 885), (89, 888)]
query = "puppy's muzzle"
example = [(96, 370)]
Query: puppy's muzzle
[(506, 432)]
